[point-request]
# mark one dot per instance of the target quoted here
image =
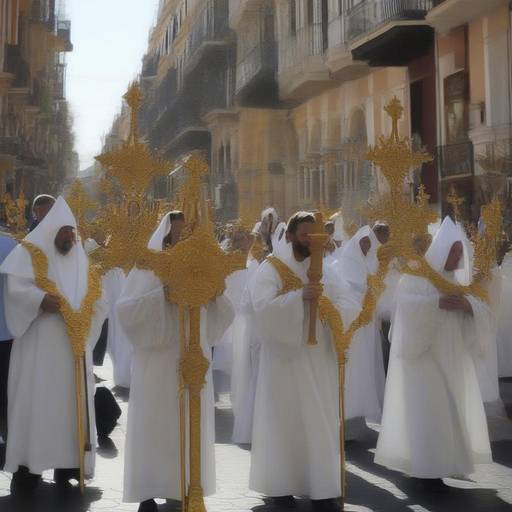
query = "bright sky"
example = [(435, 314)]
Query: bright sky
[(109, 38)]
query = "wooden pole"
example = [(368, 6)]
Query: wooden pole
[(79, 420), (318, 239), (183, 437), (341, 377)]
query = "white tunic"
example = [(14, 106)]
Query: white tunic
[(295, 448)]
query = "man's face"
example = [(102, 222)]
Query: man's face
[(173, 237), (365, 244), (454, 256), (65, 239), (300, 239), (42, 210), (382, 234)]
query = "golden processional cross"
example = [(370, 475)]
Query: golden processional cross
[(194, 271), (128, 223)]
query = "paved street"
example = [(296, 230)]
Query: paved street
[(370, 487)]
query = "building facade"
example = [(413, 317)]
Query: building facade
[(284, 97), (36, 141)]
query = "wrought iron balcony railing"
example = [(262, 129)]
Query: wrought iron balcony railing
[(261, 58), (370, 14), (307, 42), (211, 25)]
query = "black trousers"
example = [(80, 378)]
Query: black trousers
[(5, 356)]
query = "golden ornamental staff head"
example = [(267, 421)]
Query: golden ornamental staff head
[(132, 164)]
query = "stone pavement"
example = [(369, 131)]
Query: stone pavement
[(370, 487)]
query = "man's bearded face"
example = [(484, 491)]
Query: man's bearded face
[(65, 239), (300, 240)]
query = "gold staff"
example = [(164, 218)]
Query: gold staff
[(318, 239)]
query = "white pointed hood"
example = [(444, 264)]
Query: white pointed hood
[(352, 264), (70, 271), (448, 234)]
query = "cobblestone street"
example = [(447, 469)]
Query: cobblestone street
[(370, 487)]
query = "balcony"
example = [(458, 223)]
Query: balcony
[(302, 72), (256, 83), (339, 58), (389, 32), (456, 160), (208, 33), (449, 14), (43, 12), (64, 34)]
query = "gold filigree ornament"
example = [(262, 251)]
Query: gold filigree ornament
[(486, 243), (83, 208), (128, 223), (132, 164), (127, 229), (406, 219), (15, 213), (194, 272), (78, 326)]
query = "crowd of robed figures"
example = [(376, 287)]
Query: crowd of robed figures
[(433, 407)]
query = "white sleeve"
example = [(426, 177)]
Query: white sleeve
[(279, 318), (22, 299), (143, 311)]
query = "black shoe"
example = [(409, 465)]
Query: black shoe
[(283, 502), (432, 485), (148, 506), (23, 483), (62, 479), (329, 505)]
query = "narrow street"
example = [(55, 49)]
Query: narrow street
[(370, 487)]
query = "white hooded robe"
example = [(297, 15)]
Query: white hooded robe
[(434, 423), (151, 323), (41, 416)]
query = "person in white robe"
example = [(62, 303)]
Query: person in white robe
[(364, 377), (295, 441), (272, 230), (434, 423), (119, 348), (151, 323), (386, 303), (235, 286), (504, 336), (246, 353), (42, 407)]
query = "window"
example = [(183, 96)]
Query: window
[(293, 17)]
